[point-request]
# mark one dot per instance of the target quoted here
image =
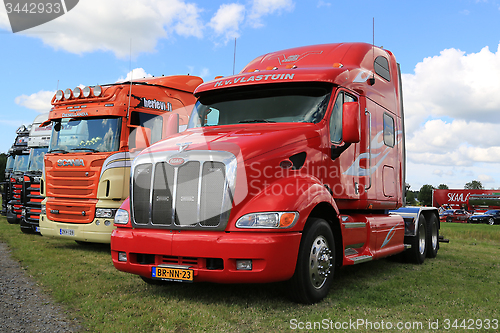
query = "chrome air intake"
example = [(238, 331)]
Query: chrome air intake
[(187, 190)]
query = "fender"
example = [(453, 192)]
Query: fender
[(300, 193)]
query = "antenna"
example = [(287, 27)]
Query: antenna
[(371, 81), (234, 58), (131, 77)]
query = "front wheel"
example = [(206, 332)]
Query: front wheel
[(315, 263)]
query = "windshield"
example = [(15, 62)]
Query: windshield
[(90, 134), (10, 163), (21, 162), (262, 104), (36, 159)]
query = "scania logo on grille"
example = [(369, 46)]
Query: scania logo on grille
[(175, 161), (70, 162)]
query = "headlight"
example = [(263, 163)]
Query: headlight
[(270, 220), (43, 210), (105, 212), (121, 216)]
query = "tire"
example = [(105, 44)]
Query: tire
[(432, 237), (418, 250), (448, 219), (491, 221), (315, 263)]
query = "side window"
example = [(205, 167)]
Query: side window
[(152, 121), (381, 66), (336, 117), (211, 117), (389, 137)]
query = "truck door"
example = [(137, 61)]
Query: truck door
[(340, 155)]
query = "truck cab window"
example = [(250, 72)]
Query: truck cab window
[(86, 134), (152, 121), (389, 137), (336, 117), (279, 103), (381, 66)]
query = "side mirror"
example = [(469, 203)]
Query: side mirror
[(350, 122), (171, 127)]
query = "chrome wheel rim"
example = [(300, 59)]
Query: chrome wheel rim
[(421, 240), (434, 237), (320, 262)]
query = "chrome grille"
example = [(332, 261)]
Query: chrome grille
[(195, 194)]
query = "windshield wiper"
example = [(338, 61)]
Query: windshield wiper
[(256, 121), (57, 151), (86, 148)]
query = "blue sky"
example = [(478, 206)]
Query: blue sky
[(448, 50)]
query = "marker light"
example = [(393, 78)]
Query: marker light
[(68, 94), (122, 256), (97, 91), (59, 95), (86, 92), (121, 216), (338, 65), (77, 92), (244, 264)]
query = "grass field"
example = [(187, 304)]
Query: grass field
[(454, 292)]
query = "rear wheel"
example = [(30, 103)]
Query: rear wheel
[(491, 221), (315, 263), (432, 237), (418, 250)]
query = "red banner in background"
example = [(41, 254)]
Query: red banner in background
[(456, 199)]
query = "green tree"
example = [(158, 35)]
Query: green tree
[(410, 196), (425, 195), (474, 185), (443, 187)]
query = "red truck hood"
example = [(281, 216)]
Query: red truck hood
[(249, 140)]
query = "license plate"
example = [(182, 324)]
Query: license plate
[(66, 232), (172, 274)]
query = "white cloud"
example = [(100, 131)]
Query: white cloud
[(452, 109), (322, 3), (227, 20), (137, 73), (262, 8), (486, 179), (117, 24), (129, 27), (40, 101), (205, 72)]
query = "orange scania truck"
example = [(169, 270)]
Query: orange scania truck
[(96, 133), (287, 171)]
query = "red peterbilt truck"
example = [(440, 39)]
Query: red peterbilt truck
[(287, 171), (96, 133)]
